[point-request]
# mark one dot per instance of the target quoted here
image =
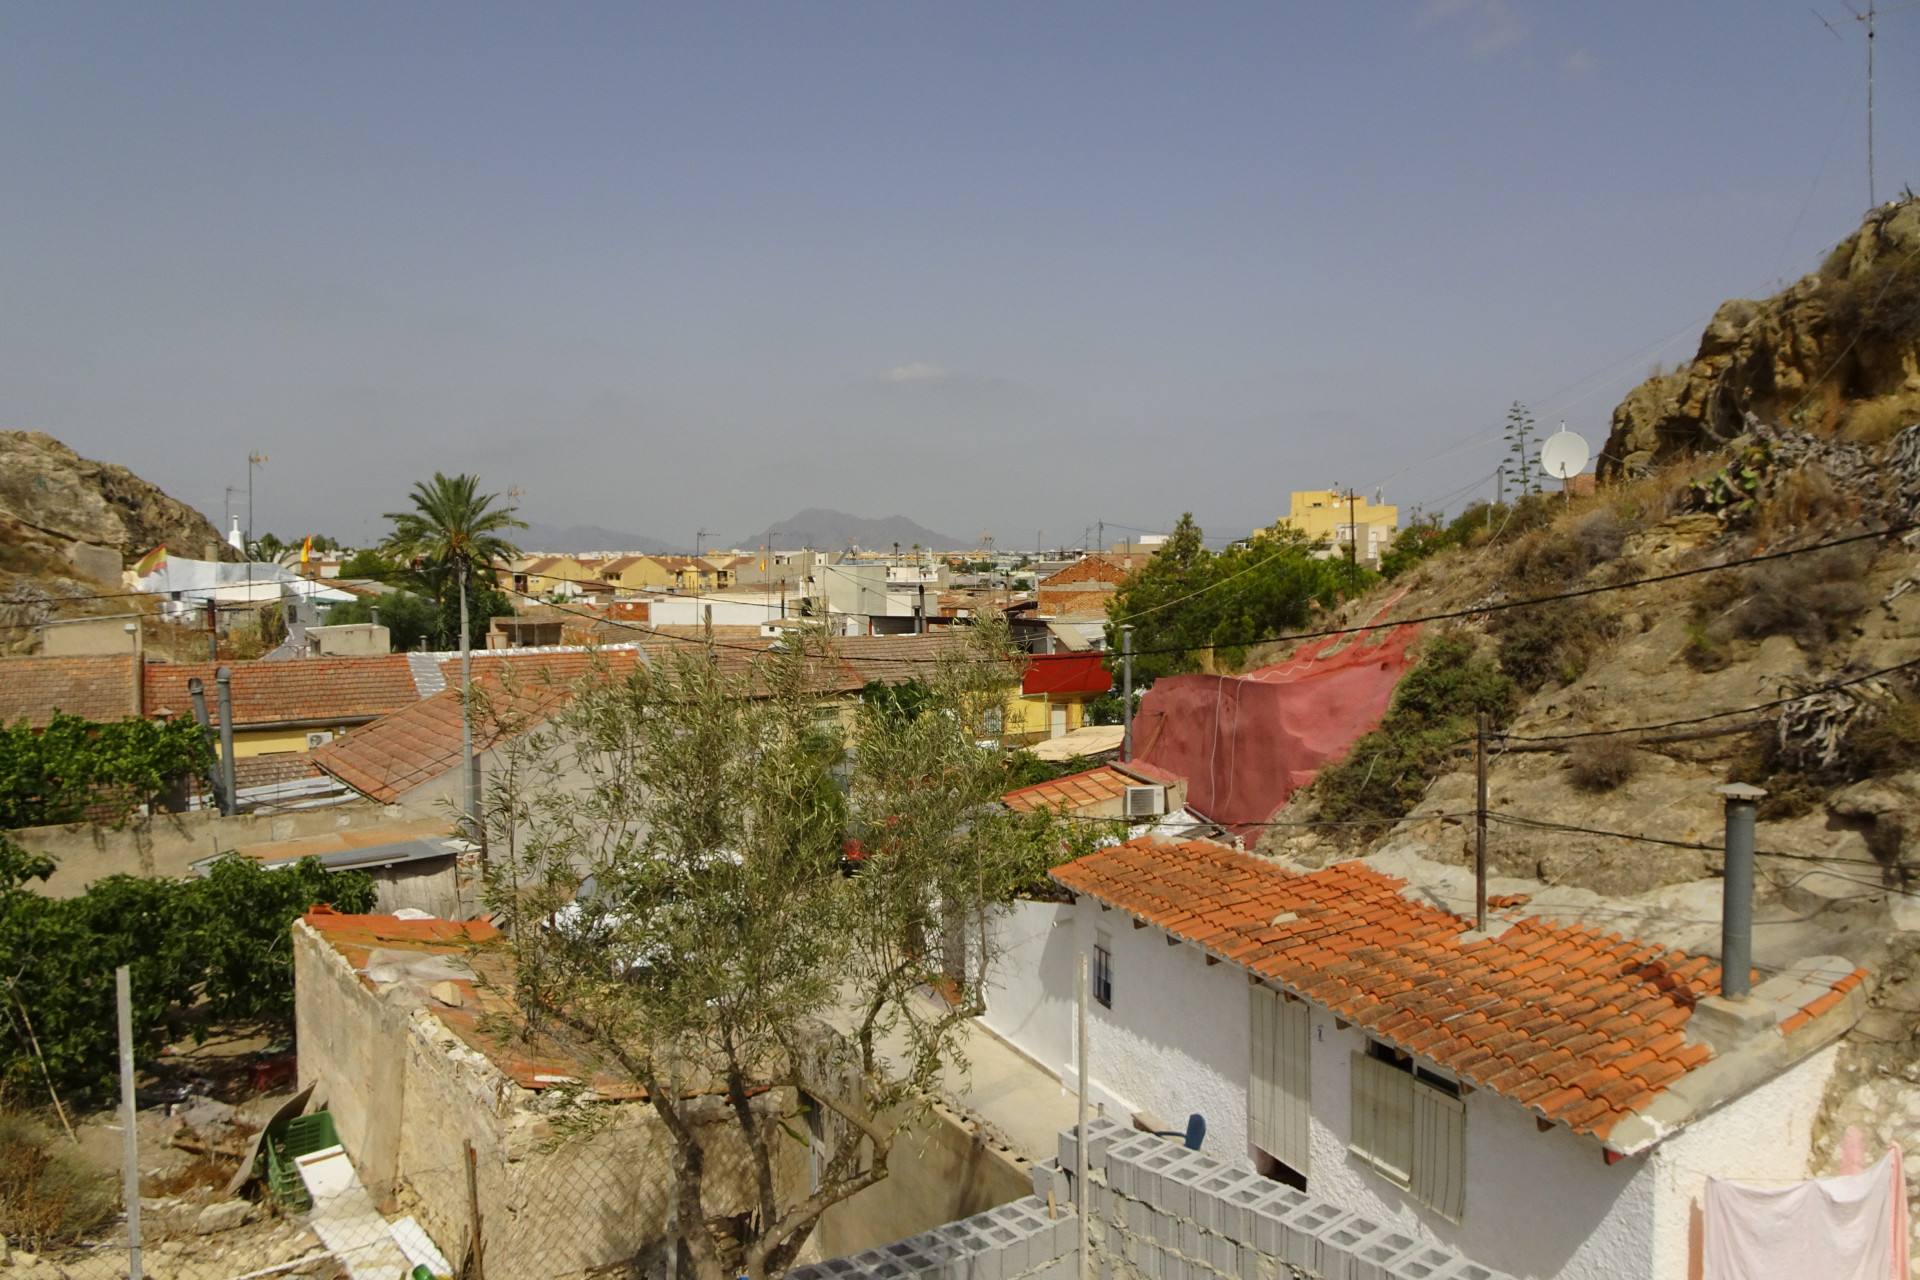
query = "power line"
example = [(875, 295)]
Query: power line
[(1718, 715)]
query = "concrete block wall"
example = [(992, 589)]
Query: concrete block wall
[(1158, 1212), (1009, 1242), (1161, 1212)]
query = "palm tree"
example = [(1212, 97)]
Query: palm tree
[(452, 531)]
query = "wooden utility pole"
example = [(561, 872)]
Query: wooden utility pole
[(1480, 828), (476, 1268)]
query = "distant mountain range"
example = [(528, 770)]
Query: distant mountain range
[(825, 530), (585, 537)]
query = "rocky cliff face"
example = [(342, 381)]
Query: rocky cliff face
[(1839, 351), (93, 515)]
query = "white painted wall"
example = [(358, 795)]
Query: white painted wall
[(1538, 1204), (728, 611), (1030, 990)]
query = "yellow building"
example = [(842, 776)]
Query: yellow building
[(638, 573), (1330, 514)]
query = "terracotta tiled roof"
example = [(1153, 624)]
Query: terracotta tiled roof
[(399, 752), (1112, 570), (298, 691), (1075, 791), (896, 659), (1580, 1027), (101, 689), (272, 767)]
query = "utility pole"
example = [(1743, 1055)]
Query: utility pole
[(1353, 546), (1480, 828), (461, 568), (1100, 543), (129, 1117), (253, 460), (1126, 691), (1081, 1200)]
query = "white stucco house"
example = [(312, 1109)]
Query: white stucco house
[(1544, 1099)]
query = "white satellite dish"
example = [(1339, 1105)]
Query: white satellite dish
[(1564, 455)]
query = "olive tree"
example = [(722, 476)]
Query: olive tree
[(754, 901)]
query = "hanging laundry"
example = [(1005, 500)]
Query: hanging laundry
[(1851, 1227)]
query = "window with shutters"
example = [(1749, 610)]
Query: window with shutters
[(1409, 1126), (1279, 1103)]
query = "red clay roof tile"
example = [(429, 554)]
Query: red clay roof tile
[(1580, 1026)]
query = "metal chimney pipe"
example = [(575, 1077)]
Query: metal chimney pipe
[(223, 678), (198, 691), (373, 612), (1736, 911)]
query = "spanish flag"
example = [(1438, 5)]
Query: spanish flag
[(306, 549), (152, 562)]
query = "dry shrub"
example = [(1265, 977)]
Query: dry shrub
[(1601, 764), (1804, 497), (1551, 641), (1810, 597), (1874, 421), (47, 1200), (1887, 742)]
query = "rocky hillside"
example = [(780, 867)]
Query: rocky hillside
[(68, 526), (1837, 353), (56, 502), (1780, 476)]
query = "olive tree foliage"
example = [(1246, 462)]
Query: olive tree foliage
[(667, 857)]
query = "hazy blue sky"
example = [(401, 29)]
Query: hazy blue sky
[(992, 266)]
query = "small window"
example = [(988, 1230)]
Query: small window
[(1102, 976)]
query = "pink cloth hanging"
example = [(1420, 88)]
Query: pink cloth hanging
[(1851, 1227)]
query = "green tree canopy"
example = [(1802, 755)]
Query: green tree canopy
[(1188, 598), (452, 527)]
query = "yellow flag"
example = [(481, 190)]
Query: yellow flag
[(306, 549)]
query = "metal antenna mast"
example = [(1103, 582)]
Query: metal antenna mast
[(1869, 20)]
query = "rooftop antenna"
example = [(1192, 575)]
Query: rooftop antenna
[(698, 538), (1869, 20)]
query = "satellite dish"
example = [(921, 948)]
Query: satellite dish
[(1564, 455)]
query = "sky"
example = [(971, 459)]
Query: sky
[(1001, 268)]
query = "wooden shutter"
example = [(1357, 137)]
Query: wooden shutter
[(1382, 1115), (1279, 1103), (1439, 1150)]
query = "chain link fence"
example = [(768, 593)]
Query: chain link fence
[(302, 1209)]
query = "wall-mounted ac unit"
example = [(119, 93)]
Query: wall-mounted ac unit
[(1146, 802), (319, 739)]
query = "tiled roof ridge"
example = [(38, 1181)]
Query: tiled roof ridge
[(1581, 1027)]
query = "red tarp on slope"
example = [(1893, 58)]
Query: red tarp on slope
[(1244, 743)]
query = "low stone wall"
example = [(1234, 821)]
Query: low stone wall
[(167, 844)]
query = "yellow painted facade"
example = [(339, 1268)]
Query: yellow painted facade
[(1326, 513), (638, 573), (1031, 718)]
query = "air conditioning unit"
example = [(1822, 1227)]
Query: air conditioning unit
[(320, 739), (1146, 802)]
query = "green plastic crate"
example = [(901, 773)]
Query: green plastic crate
[(300, 1136)]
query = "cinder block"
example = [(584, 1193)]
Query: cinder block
[(1146, 1260), (1042, 1176), (1190, 1240), (814, 1272), (1173, 1266), (1422, 1262), (1223, 1254), (1058, 1269), (1372, 1255), (1303, 1227), (1231, 1200), (1336, 1243)]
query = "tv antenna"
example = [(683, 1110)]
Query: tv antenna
[(1869, 20)]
